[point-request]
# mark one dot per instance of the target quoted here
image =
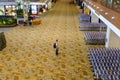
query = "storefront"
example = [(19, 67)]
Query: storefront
[(7, 13), (34, 9), (8, 8), (22, 10)]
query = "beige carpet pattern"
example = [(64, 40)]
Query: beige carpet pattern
[(29, 54)]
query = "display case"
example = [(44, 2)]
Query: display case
[(10, 10)]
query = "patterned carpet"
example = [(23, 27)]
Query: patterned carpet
[(29, 54)]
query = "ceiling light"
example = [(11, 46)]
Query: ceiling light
[(106, 13), (112, 17)]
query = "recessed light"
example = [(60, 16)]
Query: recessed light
[(112, 17), (97, 7), (106, 13), (101, 10)]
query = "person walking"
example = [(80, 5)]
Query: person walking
[(55, 45)]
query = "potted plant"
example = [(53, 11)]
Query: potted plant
[(19, 11)]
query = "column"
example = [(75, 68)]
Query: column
[(107, 37), (112, 39)]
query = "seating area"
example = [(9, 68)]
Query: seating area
[(87, 25), (104, 60), (91, 34), (105, 63), (84, 17), (95, 38)]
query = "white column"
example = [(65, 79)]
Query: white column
[(107, 37), (113, 40), (94, 18), (25, 11)]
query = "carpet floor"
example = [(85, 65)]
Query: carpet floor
[(30, 55)]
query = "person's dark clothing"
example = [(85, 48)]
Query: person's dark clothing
[(56, 51), (54, 45)]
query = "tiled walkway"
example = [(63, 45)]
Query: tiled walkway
[(29, 54)]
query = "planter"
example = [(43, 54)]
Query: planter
[(11, 25), (7, 21)]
